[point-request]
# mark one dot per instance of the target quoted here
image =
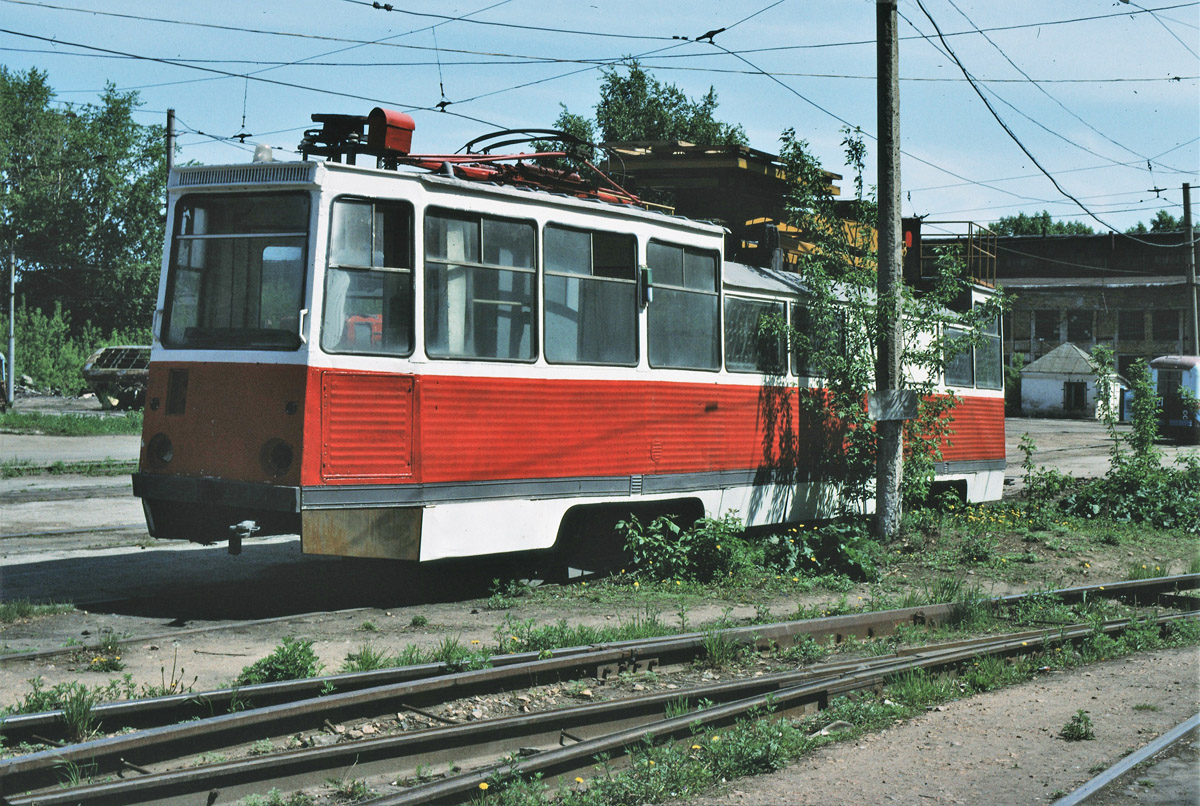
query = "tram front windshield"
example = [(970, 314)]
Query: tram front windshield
[(236, 278)]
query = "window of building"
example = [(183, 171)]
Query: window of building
[(591, 297), (1074, 395), (683, 318), (1166, 325), (754, 341), (1045, 325), (369, 282), (1131, 326), (479, 288), (1079, 326)]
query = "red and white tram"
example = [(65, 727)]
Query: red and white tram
[(407, 364)]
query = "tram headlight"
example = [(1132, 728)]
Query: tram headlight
[(160, 449), (277, 456)]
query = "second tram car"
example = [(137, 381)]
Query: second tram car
[(412, 365)]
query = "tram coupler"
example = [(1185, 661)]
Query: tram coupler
[(239, 531)]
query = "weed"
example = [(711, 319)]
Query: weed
[(1146, 706), (25, 609), (350, 790), (262, 747), (77, 714), (172, 685), (366, 659), (293, 659), (419, 621), (277, 798), (368, 626), (1079, 728), (71, 425), (719, 651)]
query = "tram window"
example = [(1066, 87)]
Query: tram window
[(237, 270), (989, 359), (369, 282), (479, 292), (811, 339), (753, 341), (591, 297), (960, 366), (683, 319)]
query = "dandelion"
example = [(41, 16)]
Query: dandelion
[(636, 585), (1024, 643), (716, 738), (651, 762), (677, 582), (719, 546), (814, 559), (578, 780), (474, 640), (483, 785), (1087, 565), (697, 747), (795, 579)]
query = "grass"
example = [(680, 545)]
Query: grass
[(21, 609), (20, 468), (71, 425)]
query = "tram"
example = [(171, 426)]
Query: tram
[(1176, 380), (407, 362)]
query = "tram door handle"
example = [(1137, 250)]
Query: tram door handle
[(645, 286), (303, 314)]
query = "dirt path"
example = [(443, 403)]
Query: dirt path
[(996, 748)]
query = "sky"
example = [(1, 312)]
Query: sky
[(1098, 100)]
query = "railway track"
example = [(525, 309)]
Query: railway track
[(558, 741)]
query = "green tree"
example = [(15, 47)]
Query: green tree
[(1038, 224), (840, 274), (636, 106), (1162, 222), (83, 203)]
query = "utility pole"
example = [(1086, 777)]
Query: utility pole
[(889, 422), (12, 331), (1189, 232), (170, 141)]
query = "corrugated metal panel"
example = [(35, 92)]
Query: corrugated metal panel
[(978, 430), (366, 426)]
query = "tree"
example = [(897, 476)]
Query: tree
[(840, 275), (1038, 224), (1162, 222), (83, 203), (637, 106)]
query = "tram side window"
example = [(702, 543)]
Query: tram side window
[(591, 297), (683, 319), (960, 366), (811, 339), (753, 341), (479, 289), (369, 282)]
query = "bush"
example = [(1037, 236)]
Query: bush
[(294, 659), (840, 547), (665, 550)]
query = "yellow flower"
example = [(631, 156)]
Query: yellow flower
[(474, 640), (719, 546), (483, 785), (814, 559), (716, 738), (795, 579), (697, 747), (651, 762), (578, 780), (677, 582), (636, 585), (1024, 643)]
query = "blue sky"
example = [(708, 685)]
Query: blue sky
[(1104, 94)]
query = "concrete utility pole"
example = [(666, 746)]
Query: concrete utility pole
[(10, 389), (889, 427), (1191, 264)]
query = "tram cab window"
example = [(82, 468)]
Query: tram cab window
[(236, 274), (960, 364), (989, 358), (369, 282), (754, 341), (683, 319), (479, 287), (591, 297)]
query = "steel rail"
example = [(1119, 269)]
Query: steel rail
[(163, 711), (618, 724), (1083, 793)]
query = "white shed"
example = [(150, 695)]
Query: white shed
[(1062, 383)]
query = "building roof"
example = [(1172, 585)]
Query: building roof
[(1065, 359)]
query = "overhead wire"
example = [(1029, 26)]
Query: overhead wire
[(1012, 135), (1166, 27)]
